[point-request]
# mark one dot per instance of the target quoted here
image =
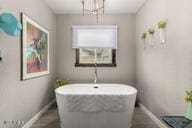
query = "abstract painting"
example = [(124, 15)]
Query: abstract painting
[(35, 49)]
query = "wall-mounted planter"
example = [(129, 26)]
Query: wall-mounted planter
[(144, 35), (162, 36), (151, 38)]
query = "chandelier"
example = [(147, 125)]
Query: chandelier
[(99, 6)]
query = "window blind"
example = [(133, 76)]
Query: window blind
[(95, 37)]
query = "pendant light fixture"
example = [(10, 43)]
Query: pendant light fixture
[(99, 7)]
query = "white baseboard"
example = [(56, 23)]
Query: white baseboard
[(152, 116), (38, 115)]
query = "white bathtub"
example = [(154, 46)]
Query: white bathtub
[(104, 119)]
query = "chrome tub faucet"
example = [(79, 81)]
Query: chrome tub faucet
[(95, 80)]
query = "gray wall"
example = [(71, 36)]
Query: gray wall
[(21, 100), (164, 72), (123, 73)]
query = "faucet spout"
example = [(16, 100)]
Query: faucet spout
[(95, 80)]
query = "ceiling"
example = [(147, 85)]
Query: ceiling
[(111, 6)]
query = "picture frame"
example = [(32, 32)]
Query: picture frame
[(35, 49)]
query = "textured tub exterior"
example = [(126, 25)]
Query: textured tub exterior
[(95, 119)]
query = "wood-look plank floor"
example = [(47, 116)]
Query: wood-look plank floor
[(51, 119)]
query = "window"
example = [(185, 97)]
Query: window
[(95, 44), (102, 57)]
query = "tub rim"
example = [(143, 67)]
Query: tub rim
[(133, 89)]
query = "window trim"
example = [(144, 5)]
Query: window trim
[(113, 64)]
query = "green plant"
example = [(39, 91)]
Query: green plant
[(188, 97), (161, 24), (151, 31), (144, 35), (60, 83)]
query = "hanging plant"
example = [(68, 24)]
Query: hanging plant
[(151, 33), (161, 26), (188, 99), (144, 36)]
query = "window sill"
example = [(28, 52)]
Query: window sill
[(93, 65)]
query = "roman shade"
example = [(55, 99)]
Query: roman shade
[(95, 37)]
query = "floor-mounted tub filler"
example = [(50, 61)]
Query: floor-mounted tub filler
[(96, 105)]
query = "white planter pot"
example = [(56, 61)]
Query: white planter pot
[(144, 44), (162, 36), (151, 40)]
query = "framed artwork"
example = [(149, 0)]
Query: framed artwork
[(35, 49)]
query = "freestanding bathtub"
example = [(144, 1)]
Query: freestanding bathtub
[(103, 118)]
